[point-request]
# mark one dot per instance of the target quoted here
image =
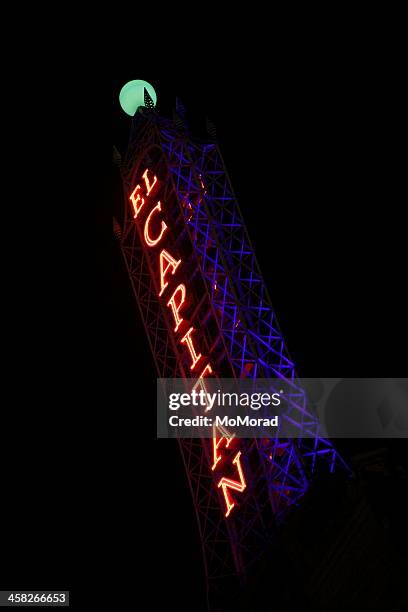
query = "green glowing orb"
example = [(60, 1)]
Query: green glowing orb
[(132, 96)]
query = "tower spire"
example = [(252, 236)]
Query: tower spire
[(147, 99)]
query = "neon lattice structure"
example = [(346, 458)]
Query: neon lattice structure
[(237, 509)]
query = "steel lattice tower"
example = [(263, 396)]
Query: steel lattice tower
[(232, 312)]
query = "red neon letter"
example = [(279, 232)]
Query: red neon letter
[(176, 307), (216, 443), (187, 339), (149, 241), (135, 198), (200, 382), (227, 483), (149, 185), (207, 370), (171, 263)]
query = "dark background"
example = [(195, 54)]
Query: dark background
[(314, 164), (312, 146)]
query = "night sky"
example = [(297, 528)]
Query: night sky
[(89, 497), (313, 172), (314, 175)]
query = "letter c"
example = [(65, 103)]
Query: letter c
[(150, 241)]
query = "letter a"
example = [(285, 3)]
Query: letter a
[(171, 263)]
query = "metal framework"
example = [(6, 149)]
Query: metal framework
[(238, 328)]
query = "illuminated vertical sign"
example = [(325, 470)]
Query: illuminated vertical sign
[(175, 294)]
